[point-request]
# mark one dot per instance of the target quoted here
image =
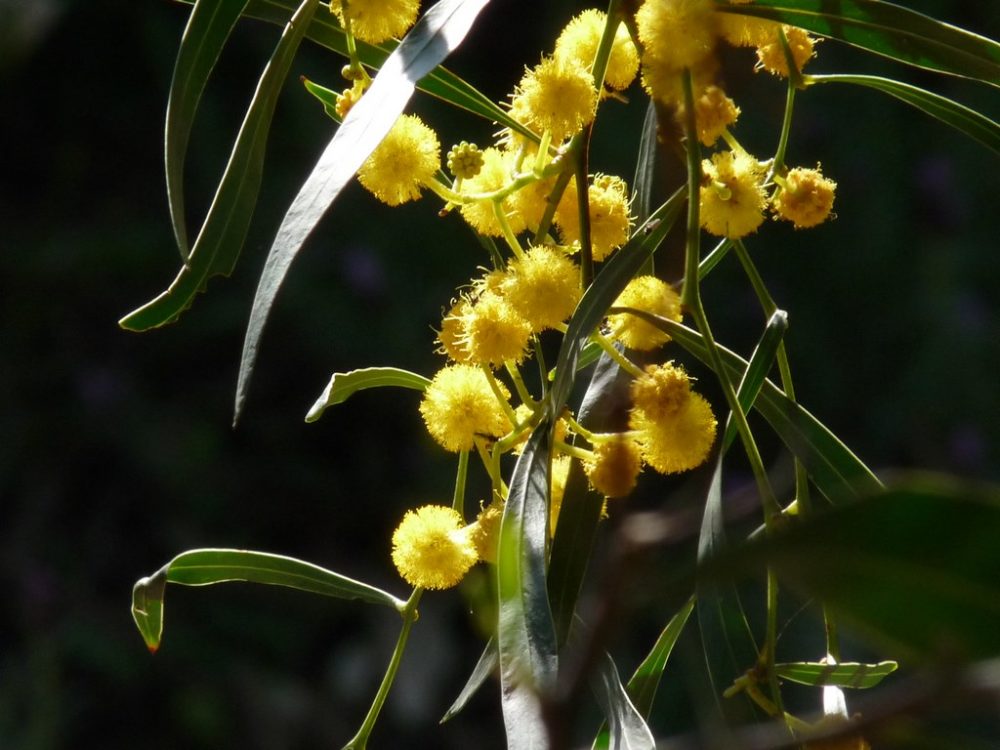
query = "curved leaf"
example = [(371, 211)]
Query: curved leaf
[(343, 385), (525, 632), (960, 117), (889, 30), (487, 663), (221, 237), (627, 730), (844, 675), (434, 36), (201, 567), (206, 33)]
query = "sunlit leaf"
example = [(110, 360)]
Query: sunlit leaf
[(627, 730), (220, 240), (525, 632), (206, 33), (844, 675), (434, 36), (201, 567), (343, 385), (958, 116), (889, 30)]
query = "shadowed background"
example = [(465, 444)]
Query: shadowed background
[(117, 451)]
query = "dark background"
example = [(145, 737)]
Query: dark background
[(117, 451)]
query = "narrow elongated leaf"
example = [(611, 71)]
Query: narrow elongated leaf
[(206, 33), (836, 471), (844, 675), (646, 678), (627, 729), (889, 30), (440, 82), (487, 664), (610, 282), (645, 163), (327, 97), (958, 116), (343, 385), (525, 633), (220, 240), (434, 36), (201, 567)]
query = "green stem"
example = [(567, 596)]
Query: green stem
[(711, 260), (552, 202), (778, 165), (519, 386), (603, 54), (574, 450), (506, 229), (495, 387), (360, 740), (458, 501), (623, 362)]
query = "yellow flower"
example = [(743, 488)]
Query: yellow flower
[(806, 198), (493, 332), (557, 95), (431, 548), (664, 82), (580, 39), (451, 334), (493, 175), (676, 34), (374, 21), (529, 203), (615, 466), (543, 287), (560, 473), (485, 531), (609, 215), (649, 294), (745, 31), (713, 113), (465, 160), (771, 57), (732, 196), (407, 158), (661, 392), (679, 443), (459, 404)]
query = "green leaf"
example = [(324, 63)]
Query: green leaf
[(844, 675), (343, 385), (440, 82), (433, 37), (960, 117), (327, 97), (627, 730), (486, 665), (206, 33), (525, 632), (836, 471), (201, 567), (889, 30), (612, 279), (915, 568), (645, 163), (220, 240)]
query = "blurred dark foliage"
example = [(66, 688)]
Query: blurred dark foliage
[(117, 451)]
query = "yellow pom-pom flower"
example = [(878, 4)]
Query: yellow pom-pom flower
[(493, 331), (557, 95), (661, 392), (732, 194), (609, 215), (713, 113), (485, 531), (665, 83), (806, 199), (529, 203), (432, 548), (676, 34), (581, 38), (679, 443), (374, 21), (543, 287), (771, 56), (651, 295), (407, 158), (615, 466), (451, 335), (459, 405), (493, 175)]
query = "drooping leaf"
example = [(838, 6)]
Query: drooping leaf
[(206, 33), (889, 30), (220, 240), (433, 37), (525, 632), (627, 729), (836, 471), (958, 116), (486, 665), (201, 567), (844, 675), (343, 385)]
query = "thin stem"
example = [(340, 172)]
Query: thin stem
[(458, 501), (778, 165), (495, 387), (771, 638), (519, 386), (580, 165), (552, 201), (506, 229), (410, 615), (574, 450), (603, 54), (711, 260), (623, 362)]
